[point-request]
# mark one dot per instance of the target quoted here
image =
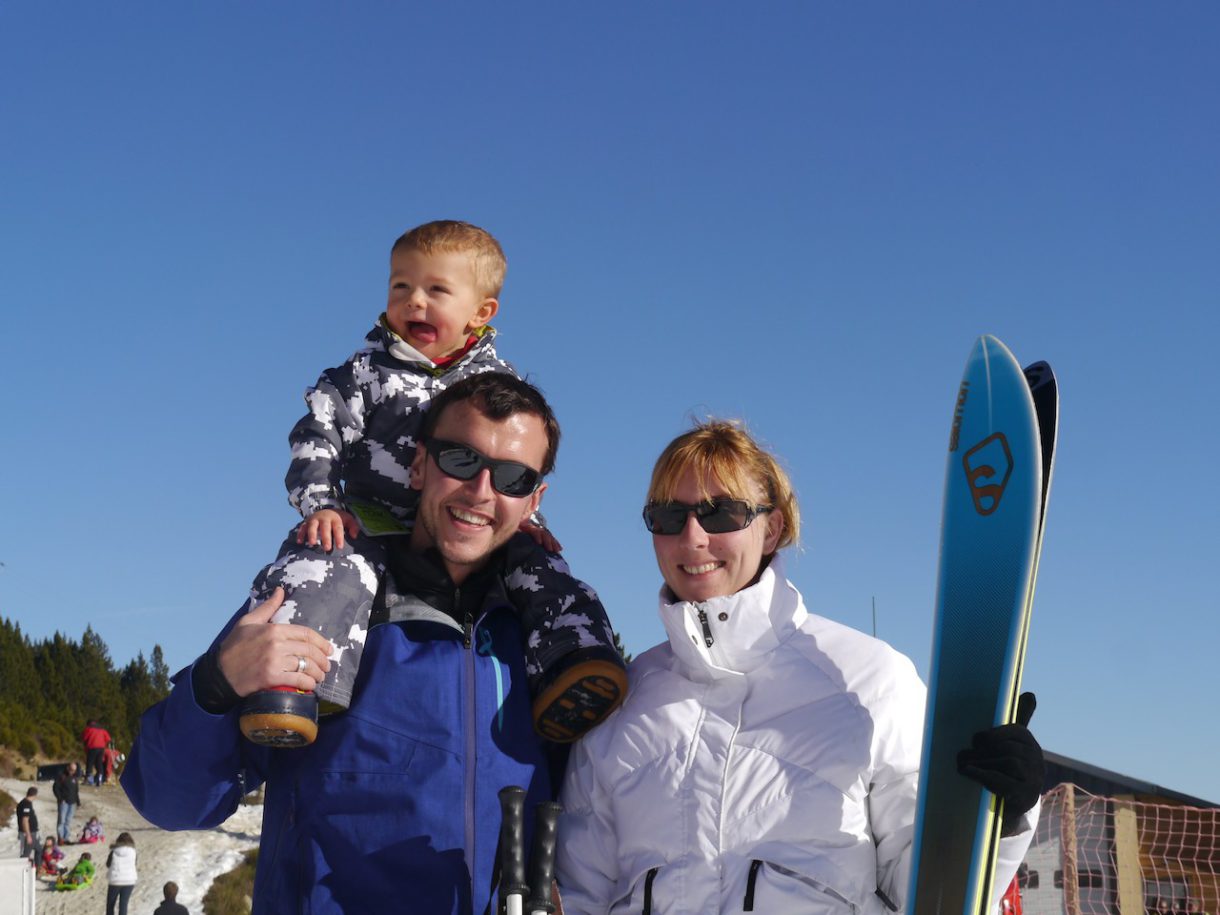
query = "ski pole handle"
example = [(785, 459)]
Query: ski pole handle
[(542, 858), (512, 849)]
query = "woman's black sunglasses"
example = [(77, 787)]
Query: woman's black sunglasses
[(719, 516), (509, 478)]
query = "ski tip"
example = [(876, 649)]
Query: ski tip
[(1039, 375)]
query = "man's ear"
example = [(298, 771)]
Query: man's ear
[(536, 499), (417, 466), (486, 311)]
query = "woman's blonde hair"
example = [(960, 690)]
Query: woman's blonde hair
[(723, 451)]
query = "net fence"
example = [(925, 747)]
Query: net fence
[(1113, 856)]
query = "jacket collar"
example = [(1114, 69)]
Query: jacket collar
[(744, 628), (381, 337), (419, 587)]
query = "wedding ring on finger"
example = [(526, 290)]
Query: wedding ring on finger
[(300, 664)]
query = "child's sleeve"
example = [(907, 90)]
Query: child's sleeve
[(321, 438)]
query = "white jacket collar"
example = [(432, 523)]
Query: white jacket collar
[(755, 621)]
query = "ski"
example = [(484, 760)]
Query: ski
[(1001, 452)]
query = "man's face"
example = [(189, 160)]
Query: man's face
[(71, 768), (467, 520)]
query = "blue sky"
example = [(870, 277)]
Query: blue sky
[(801, 215)]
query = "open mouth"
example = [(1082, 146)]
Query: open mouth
[(702, 569), (464, 517), (424, 333)]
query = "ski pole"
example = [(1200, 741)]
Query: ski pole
[(542, 859), (512, 850)]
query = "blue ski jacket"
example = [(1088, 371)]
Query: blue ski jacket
[(394, 807)]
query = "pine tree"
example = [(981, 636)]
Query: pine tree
[(160, 672), (618, 646), (49, 689)]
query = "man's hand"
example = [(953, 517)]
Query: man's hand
[(1008, 762), (327, 525), (258, 654), (540, 534)]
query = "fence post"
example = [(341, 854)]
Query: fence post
[(1127, 860), (1071, 880)]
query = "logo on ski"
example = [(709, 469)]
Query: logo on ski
[(1038, 374), (959, 410), (981, 463)]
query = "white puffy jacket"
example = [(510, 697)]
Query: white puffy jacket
[(121, 865), (774, 770)]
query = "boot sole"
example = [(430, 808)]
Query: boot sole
[(579, 700), (280, 718)]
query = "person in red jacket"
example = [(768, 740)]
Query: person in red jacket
[(95, 738)]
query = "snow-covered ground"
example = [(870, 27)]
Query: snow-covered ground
[(190, 859)]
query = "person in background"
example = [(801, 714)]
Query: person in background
[(171, 906), (51, 864), (92, 832), (120, 873), (27, 825), (67, 793), (80, 875), (110, 759), (95, 738)]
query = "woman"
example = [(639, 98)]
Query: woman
[(121, 873), (766, 759)]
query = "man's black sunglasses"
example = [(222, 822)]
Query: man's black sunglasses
[(719, 516), (509, 478)]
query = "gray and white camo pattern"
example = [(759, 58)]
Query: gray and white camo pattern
[(358, 441), (560, 614), (359, 436)]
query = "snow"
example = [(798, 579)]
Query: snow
[(192, 859)]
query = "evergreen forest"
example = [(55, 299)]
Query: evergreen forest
[(50, 689)]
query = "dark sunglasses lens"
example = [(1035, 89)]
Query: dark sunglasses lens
[(513, 479), (665, 519), (725, 516), (460, 463)]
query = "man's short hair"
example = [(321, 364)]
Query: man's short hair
[(31, 792), (497, 395), (171, 891), (452, 236)]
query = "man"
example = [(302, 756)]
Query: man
[(394, 806), (171, 906), (67, 793), (95, 737), (27, 825)]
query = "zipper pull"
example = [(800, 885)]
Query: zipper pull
[(707, 630), (467, 620)]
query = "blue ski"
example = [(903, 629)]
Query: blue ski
[(1001, 451)]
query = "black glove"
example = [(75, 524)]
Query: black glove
[(1008, 762)]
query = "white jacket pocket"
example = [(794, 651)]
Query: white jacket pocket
[(774, 889)]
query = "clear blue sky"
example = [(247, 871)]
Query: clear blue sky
[(797, 214)]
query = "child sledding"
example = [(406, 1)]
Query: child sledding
[(80, 877)]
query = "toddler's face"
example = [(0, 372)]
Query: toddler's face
[(434, 301)]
